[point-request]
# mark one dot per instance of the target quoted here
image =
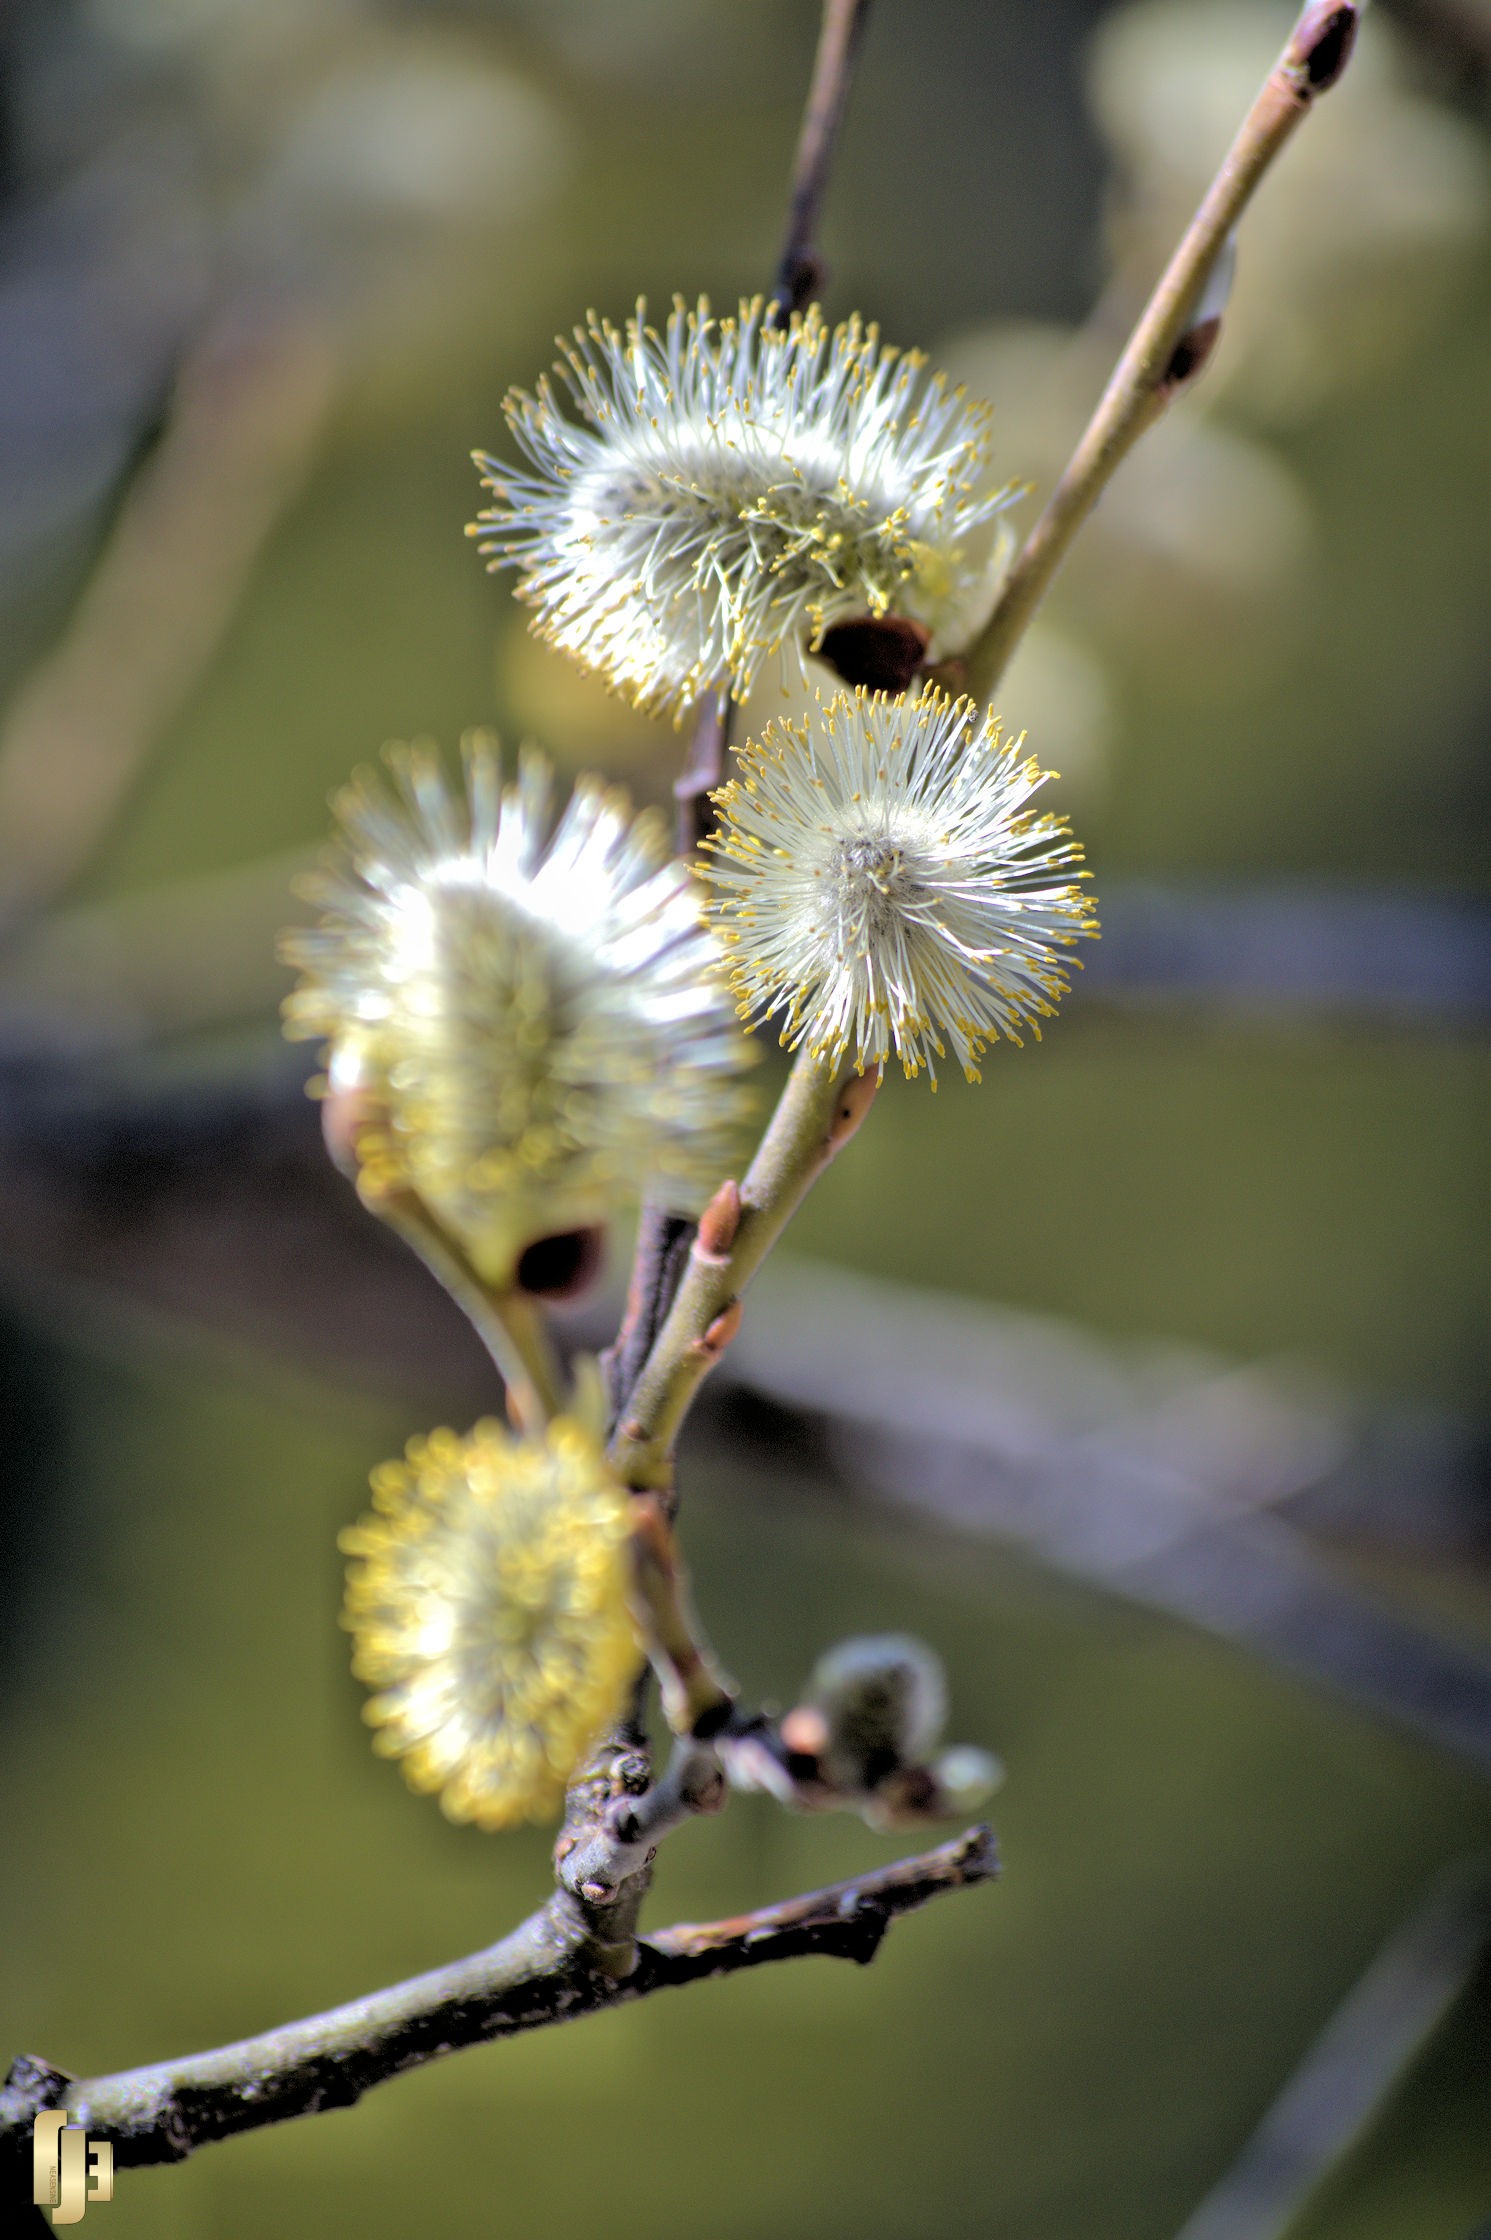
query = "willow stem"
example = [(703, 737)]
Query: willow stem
[(1157, 362), (509, 1323), (799, 276), (520, 1344), (697, 1698), (818, 1112)]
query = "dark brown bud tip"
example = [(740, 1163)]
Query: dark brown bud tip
[(561, 1267), (712, 1720), (799, 282), (1191, 354), (881, 652), (1321, 46), (718, 1223)]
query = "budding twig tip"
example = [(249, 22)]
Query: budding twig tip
[(1321, 44)]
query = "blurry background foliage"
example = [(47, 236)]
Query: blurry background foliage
[(266, 268)]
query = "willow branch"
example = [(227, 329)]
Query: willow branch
[(663, 1241), (540, 1974), (800, 269), (817, 1114), (799, 278), (510, 1325), (239, 440), (657, 1262), (1171, 342)]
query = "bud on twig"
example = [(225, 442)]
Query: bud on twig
[(1321, 46), (1194, 350), (718, 1224)]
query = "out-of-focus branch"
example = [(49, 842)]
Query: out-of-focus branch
[(190, 953), (544, 1972), (198, 952), (1176, 333), (236, 448), (1360, 2058), (1456, 33), (800, 269)]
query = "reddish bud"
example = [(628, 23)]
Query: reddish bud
[(718, 1223), (719, 1333)]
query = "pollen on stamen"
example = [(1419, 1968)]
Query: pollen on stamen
[(729, 490)]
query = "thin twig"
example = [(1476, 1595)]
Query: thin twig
[(657, 1266), (511, 1326), (800, 268), (799, 279), (605, 1852), (817, 1114), (1170, 343), (663, 1241), (242, 432), (543, 1973)]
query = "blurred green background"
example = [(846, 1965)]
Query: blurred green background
[(299, 251)]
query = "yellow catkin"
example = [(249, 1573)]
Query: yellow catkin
[(487, 1601)]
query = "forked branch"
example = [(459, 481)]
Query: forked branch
[(544, 1972)]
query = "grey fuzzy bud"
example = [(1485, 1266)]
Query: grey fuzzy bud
[(883, 1700)]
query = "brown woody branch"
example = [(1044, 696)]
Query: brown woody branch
[(544, 1972)]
